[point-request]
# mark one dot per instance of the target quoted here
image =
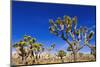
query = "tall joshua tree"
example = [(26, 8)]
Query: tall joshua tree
[(67, 30)]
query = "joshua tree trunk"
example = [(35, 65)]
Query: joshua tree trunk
[(75, 56), (23, 55), (30, 53), (30, 48), (36, 57), (62, 59), (93, 53), (24, 59)]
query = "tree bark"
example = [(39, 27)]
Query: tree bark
[(75, 56), (62, 59)]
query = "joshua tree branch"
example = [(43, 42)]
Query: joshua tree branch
[(65, 39), (89, 46), (81, 47)]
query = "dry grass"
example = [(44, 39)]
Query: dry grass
[(16, 60)]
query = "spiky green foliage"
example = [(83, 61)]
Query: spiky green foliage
[(37, 47)]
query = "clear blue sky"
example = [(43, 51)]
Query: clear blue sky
[(32, 18)]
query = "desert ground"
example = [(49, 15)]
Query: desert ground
[(52, 59)]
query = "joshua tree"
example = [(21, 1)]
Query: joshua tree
[(51, 48), (33, 47), (67, 30), (37, 48), (61, 54), (80, 54), (28, 42), (20, 49)]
